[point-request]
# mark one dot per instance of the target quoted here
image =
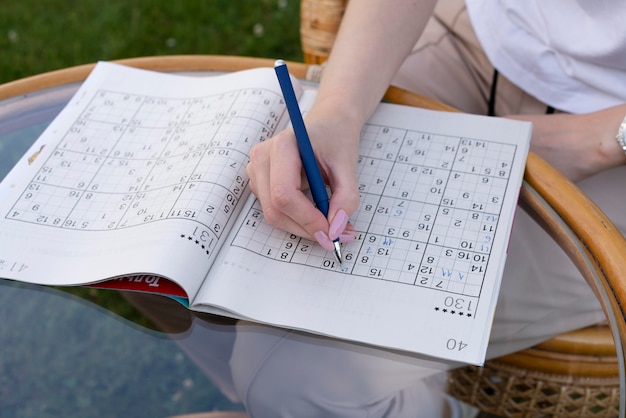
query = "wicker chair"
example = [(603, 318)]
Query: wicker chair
[(577, 374)]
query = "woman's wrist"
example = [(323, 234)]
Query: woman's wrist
[(614, 148), (338, 111)]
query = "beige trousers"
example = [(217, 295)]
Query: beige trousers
[(448, 64)]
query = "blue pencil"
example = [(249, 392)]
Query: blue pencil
[(309, 162)]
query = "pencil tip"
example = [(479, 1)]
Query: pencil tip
[(338, 251)]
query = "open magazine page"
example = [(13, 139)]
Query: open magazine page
[(141, 174), (438, 195)]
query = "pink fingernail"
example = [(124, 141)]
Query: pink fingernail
[(338, 224), (324, 241)]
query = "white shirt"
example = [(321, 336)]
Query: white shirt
[(570, 54)]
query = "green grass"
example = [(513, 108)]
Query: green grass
[(42, 35)]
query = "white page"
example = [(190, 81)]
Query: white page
[(142, 172), (437, 300)]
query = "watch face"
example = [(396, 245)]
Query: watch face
[(621, 135)]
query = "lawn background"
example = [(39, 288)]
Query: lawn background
[(42, 35)]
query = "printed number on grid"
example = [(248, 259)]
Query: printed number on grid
[(129, 160), (430, 206)]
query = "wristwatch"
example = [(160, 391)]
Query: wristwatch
[(621, 135)]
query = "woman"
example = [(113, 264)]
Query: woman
[(559, 64)]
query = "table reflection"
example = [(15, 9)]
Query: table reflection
[(62, 356)]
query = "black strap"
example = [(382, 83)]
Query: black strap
[(491, 111)]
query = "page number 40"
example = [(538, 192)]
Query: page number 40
[(455, 345)]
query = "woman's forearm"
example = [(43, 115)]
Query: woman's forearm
[(374, 39), (579, 145)]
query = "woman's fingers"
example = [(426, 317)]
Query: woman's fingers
[(275, 179)]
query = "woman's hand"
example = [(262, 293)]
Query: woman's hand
[(579, 146), (277, 179), (355, 79)]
